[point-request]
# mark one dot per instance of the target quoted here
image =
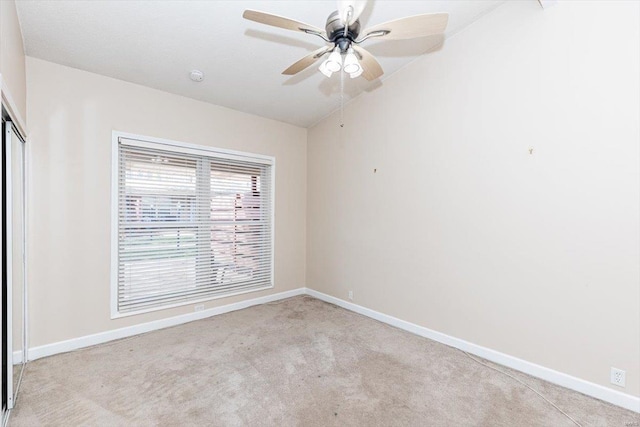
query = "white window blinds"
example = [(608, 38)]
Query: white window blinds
[(192, 225)]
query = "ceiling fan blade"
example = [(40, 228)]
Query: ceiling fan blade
[(371, 69), (308, 60), (409, 27), (280, 22), (357, 7)]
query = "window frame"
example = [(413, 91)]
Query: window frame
[(178, 147)]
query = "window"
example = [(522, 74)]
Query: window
[(191, 223)]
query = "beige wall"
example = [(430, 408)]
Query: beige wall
[(12, 59), (71, 116), (461, 230)]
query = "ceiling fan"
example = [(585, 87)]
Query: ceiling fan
[(343, 36)]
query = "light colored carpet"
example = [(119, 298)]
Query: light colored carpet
[(298, 362)]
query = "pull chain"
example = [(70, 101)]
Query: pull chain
[(341, 98), (346, 29)]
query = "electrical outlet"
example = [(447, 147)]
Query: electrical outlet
[(198, 307), (618, 377), (351, 295)]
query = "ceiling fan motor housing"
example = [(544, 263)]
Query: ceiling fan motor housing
[(335, 31)]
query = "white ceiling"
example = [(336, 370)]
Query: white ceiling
[(157, 44)]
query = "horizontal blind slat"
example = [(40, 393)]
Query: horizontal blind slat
[(160, 303), (176, 287), (176, 293)]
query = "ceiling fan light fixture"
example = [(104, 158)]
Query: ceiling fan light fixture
[(323, 69), (356, 74), (351, 64), (334, 62)]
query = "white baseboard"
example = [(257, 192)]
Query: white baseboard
[(615, 397), (590, 389), (115, 334)]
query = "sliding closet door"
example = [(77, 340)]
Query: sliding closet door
[(3, 305), (15, 260)]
